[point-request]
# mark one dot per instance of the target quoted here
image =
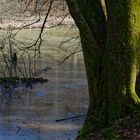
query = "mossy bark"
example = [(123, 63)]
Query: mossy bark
[(111, 63)]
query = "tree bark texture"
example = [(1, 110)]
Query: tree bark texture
[(110, 44)]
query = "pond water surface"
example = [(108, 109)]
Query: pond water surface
[(31, 112)]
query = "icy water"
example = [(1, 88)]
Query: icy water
[(31, 113)]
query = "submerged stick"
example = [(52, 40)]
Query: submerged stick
[(74, 117), (18, 129)]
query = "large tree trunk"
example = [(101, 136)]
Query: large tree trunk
[(109, 49)]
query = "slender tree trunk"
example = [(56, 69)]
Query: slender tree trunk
[(109, 49)]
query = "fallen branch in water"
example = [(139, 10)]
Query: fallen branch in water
[(18, 129), (74, 117), (13, 80)]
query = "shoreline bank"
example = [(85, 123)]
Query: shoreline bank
[(35, 23)]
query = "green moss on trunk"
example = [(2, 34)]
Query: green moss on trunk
[(111, 73)]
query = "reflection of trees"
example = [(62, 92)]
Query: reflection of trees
[(52, 12), (28, 52), (22, 66)]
